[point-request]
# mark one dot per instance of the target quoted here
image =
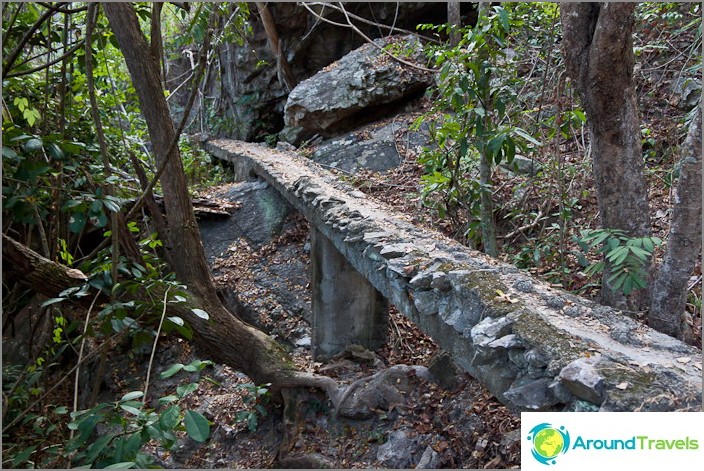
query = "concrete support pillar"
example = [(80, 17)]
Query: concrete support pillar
[(347, 309)]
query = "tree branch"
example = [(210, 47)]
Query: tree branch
[(366, 38)]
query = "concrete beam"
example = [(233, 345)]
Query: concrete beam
[(533, 346)]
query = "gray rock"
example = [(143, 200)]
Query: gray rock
[(304, 342), (581, 378), (430, 459), (524, 286), (364, 78), (372, 147), (421, 281), (524, 165), (535, 395), (260, 218), (507, 341), (690, 90), (441, 282), (398, 450), (489, 329), (444, 370)]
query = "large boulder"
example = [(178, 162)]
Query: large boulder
[(373, 147), (362, 86)]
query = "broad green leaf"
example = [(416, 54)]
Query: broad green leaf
[(8, 153), (130, 409), (176, 320), (55, 151), (122, 465), (21, 457), (186, 389), (33, 145), (200, 313), (76, 222), (526, 136), (172, 370), (170, 417), (628, 285), (197, 426), (97, 446), (503, 16), (132, 395), (167, 399)]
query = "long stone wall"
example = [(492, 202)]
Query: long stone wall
[(533, 346)]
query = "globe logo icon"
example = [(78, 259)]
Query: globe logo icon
[(548, 442)]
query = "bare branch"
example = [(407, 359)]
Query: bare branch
[(366, 38)]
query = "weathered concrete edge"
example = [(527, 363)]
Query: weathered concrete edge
[(548, 350)]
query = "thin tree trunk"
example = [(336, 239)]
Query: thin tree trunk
[(684, 243), (247, 349), (454, 19), (282, 66), (598, 51)]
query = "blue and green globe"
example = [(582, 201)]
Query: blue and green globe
[(548, 442)]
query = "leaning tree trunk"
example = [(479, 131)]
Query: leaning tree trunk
[(684, 243), (598, 51), (224, 337)]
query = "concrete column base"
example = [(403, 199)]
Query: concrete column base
[(347, 309)]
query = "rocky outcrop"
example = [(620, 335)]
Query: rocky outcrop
[(367, 79), (244, 89), (534, 347), (377, 147)]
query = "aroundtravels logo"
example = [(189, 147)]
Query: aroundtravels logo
[(548, 442)]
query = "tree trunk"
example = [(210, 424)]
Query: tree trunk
[(453, 18), (283, 68), (684, 243), (224, 338), (598, 51)]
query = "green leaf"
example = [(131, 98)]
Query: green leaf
[(186, 389), (76, 222), (526, 136), (8, 153), (132, 395), (197, 426), (131, 410), (616, 253), (55, 151), (167, 399), (503, 17), (200, 313), (169, 418), (97, 446), (172, 370), (51, 301), (33, 145), (176, 320), (640, 282), (638, 252), (22, 456), (648, 244), (627, 285), (122, 465)]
